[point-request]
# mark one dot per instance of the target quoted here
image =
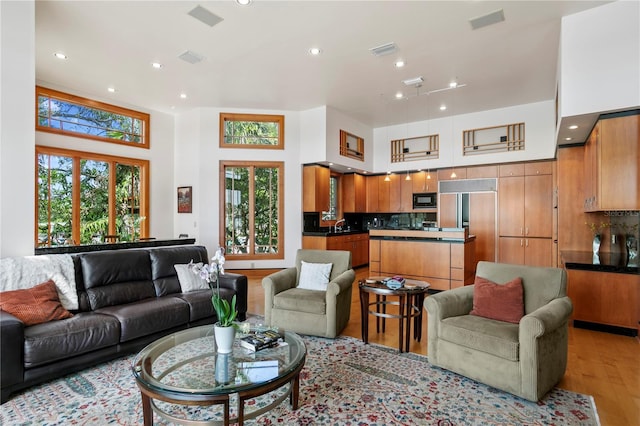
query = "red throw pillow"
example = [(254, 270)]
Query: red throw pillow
[(503, 302), (34, 305)]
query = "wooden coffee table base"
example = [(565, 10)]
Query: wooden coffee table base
[(149, 406)]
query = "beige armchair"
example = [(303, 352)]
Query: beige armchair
[(525, 359), (315, 312)]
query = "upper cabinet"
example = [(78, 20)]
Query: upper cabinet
[(424, 182), (315, 189), (612, 157), (354, 193)]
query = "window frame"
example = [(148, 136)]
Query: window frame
[(264, 118), (112, 160), (78, 100), (281, 221)]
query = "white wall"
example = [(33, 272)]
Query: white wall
[(198, 163), (17, 85), (600, 59), (336, 121), (539, 137), (313, 135)]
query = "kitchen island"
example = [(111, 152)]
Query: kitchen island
[(443, 257)]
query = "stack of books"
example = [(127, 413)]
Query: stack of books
[(258, 340)]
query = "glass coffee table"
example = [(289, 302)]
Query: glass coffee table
[(184, 369)]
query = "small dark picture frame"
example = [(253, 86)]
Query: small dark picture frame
[(184, 199)]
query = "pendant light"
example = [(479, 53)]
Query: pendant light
[(408, 176)]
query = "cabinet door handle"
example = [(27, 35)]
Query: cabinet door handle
[(520, 242), (520, 231), (526, 243), (526, 231)]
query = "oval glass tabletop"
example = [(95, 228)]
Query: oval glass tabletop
[(186, 362)]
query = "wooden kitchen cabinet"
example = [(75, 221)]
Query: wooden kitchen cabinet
[(354, 193), (605, 297), (371, 183), (385, 189), (315, 188), (400, 194), (526, 251), (424, 182), (612, 157), (445, 174), (357, 244)]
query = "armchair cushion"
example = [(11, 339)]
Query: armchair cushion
[(483, 334), (314, 276), (302, 300), (503, 302)]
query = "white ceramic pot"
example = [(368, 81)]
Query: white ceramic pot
[(224, 338)]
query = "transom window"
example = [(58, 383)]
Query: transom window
[(253, 225), (60, 112), (85, 198), (251, 131)]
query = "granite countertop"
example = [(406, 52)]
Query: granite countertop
[(81, 248), (332, 233), (604, 262)]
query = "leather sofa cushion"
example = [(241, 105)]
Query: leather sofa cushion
[(148, 316), (491, 336), (162, 260), (301, 300), (119, 278), (200, 305), (56, 340)]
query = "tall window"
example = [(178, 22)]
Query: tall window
[(251, 131), (83, 196), (63, 113), (253, 226), (332, 214)]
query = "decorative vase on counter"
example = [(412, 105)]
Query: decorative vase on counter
[(632, 250), (224, 338), (596, 249)]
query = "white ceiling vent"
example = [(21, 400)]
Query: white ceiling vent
[(385, 49), (191, 57), (205, 16), (488, 19)]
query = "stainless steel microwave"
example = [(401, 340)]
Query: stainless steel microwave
[(425, 200)]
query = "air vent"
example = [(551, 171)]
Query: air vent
[(413, 81), (191, 57), (488, 19), (385, 49), (205, 16)]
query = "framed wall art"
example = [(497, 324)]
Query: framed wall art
[(184, 199)]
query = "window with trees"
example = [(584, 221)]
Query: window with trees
[(251, 131), (253, 225), (332, 214), (62, 113), (82, 197)]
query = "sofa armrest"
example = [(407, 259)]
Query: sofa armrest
[(450, 303), (11, 349), (546, 319), (238, 283), (341, 283)]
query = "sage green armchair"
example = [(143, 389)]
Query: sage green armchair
[(314, 312), (525, 359)]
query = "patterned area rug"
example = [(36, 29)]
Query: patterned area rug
[(344, 382)]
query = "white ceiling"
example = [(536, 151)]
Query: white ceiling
[(257, 57)]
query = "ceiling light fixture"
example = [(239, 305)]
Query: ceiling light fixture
[(568, 139), (443, 107), (60, 55), (399, 64), (408, 176), (243, 2), (111, 89), (399, 95), (156, 65), (183, 96), (315, 51), (573, 127), (387, 178), (453, 84)]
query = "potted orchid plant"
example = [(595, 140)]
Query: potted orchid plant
[(225, 312)]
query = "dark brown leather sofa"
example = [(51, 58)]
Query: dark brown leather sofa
[(127, 299)]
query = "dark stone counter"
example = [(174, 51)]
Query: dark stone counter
[(604, 262), (113, 246), (331, 233)]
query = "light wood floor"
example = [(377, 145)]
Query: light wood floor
[(605, 366)]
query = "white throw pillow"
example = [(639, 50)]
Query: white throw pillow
[(188, 280), (314, 276)]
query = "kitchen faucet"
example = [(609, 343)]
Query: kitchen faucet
[(335, 227)]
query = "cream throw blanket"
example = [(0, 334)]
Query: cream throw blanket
[(25, 272)]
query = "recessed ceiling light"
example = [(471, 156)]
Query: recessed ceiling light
[(111, 89), (243, 2), (156, 65), (567, 139), (399, 64), (399, 95), (60, 55), (443, 107), (183, 96), (331, 164), (453, 84), (315, 51), (573, 127)]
